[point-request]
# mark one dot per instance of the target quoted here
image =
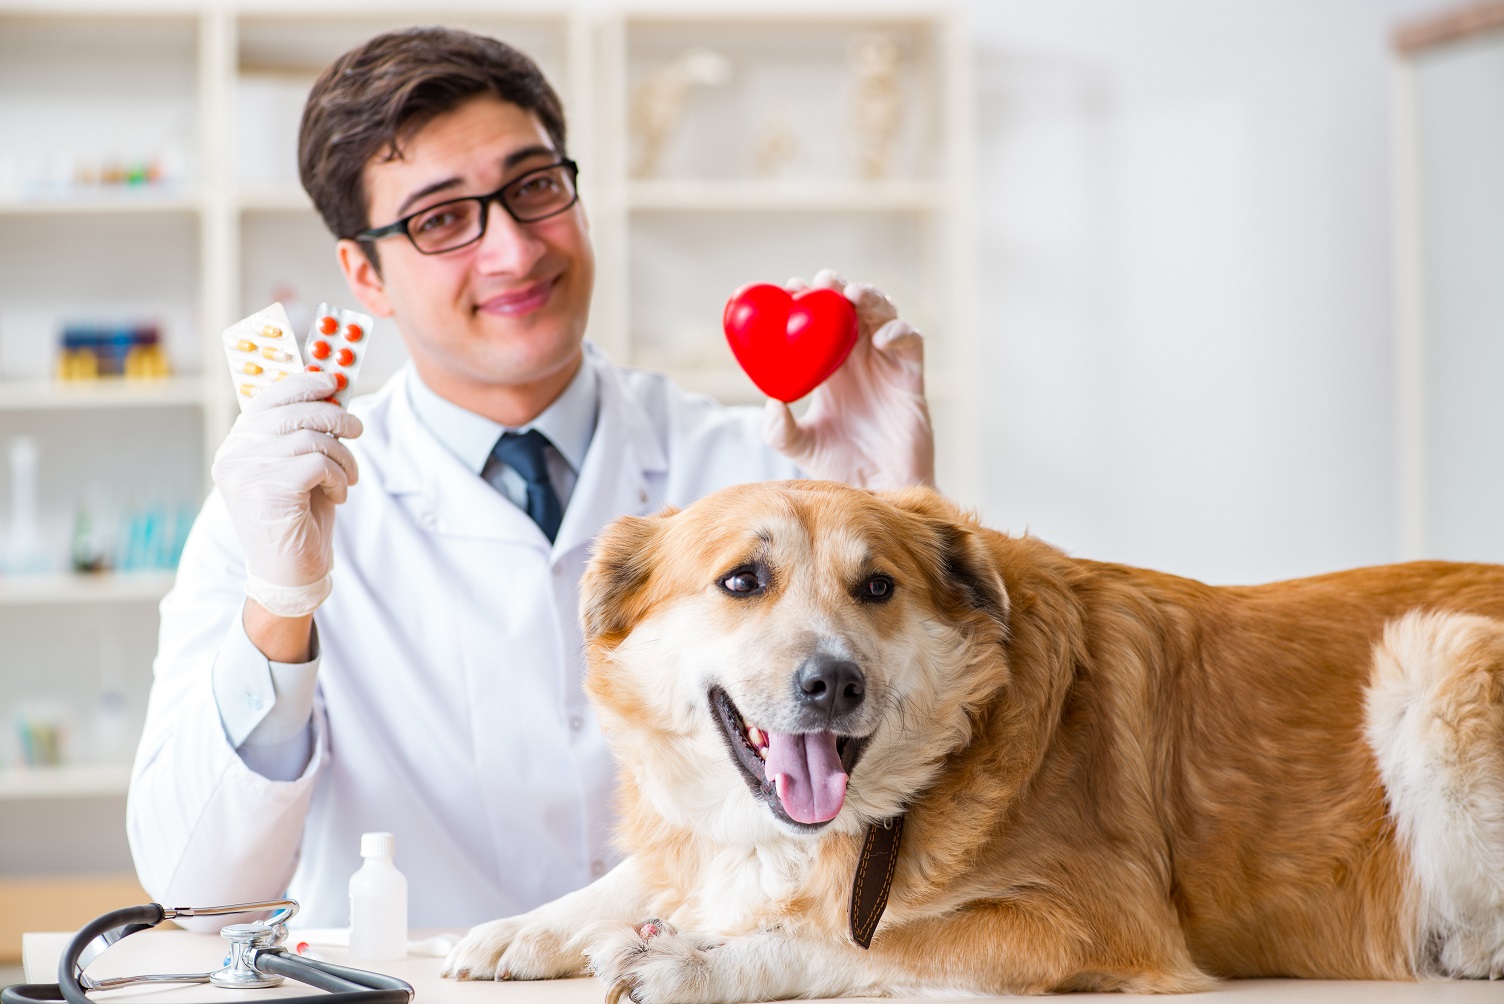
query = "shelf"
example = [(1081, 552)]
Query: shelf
[(675, 195), (734, 387), (96, 203), (77, 781), (727, 386), (68, 588), (781, 18), (273, 199), (107, 392), (776, 196)]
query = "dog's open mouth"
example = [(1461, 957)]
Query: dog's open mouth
[(802, 776)]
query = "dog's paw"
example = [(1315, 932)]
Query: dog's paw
[(516, 948), (1473, 953), (652, 963)]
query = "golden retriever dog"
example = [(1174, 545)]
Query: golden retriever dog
[(868, 747)]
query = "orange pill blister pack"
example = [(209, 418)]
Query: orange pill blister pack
[(262, 349), (337, 343)]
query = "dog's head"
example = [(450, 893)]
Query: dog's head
[(793, 655)]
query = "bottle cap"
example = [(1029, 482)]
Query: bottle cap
[(377, 845)]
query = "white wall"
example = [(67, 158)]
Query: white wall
[(1188, 235)]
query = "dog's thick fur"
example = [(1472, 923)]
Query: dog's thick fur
[(1112, 778)]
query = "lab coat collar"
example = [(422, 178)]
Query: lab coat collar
[(454, 501)]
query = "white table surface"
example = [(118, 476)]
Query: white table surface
[(174, 951)]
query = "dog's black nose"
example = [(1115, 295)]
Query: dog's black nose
[(830, 686)]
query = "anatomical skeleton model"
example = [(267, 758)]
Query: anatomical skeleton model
[(776, 146), (659, 102), (875, 102)]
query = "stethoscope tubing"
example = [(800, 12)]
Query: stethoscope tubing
[(67, 987), (31, 993), (343, 984)]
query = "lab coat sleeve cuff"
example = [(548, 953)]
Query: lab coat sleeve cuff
[(204, 826), (261, 702)]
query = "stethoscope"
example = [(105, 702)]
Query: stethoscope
[(256, 959)]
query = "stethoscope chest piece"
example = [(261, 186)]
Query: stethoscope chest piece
[(240, 972)]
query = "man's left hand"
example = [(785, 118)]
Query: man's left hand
[(868, 425)]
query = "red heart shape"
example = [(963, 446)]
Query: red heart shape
[(789, 344)]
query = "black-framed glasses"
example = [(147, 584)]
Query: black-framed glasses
[(448, 226)]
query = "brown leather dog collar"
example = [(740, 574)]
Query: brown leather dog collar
[(874, 878)]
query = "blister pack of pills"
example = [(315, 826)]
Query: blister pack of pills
[(261, 349), (337, 344)]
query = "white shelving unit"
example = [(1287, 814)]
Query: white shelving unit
[(675, 243), (95, 203), (78, 90), (665, 196), (125, 587), (215, 92), (40, 395)]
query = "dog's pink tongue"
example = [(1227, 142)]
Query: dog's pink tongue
[(807, 771)]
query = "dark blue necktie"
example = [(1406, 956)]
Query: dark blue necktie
[(524, 454)]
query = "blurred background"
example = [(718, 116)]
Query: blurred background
[(1215, 286)]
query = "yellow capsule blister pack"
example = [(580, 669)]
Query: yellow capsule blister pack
[(261, 349)]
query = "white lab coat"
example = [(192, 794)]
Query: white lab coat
[(449, 707)]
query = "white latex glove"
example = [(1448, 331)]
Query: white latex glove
[(282, 471), (868, 425)]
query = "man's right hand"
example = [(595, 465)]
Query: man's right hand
[(281, 472)]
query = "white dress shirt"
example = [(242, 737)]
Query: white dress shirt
[(567, 423)]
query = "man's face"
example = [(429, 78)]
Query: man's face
[(507, 311)]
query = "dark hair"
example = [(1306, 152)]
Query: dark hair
[(374, 97)]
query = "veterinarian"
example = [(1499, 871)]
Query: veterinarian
[(439, 529)]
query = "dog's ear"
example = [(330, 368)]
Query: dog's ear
[(964, 567), (612, 591)]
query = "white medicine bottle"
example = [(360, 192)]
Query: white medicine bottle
[(378, 902)]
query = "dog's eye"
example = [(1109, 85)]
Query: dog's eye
[(742, 582), (877, 588)]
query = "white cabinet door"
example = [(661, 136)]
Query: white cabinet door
[(1456, 365)]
